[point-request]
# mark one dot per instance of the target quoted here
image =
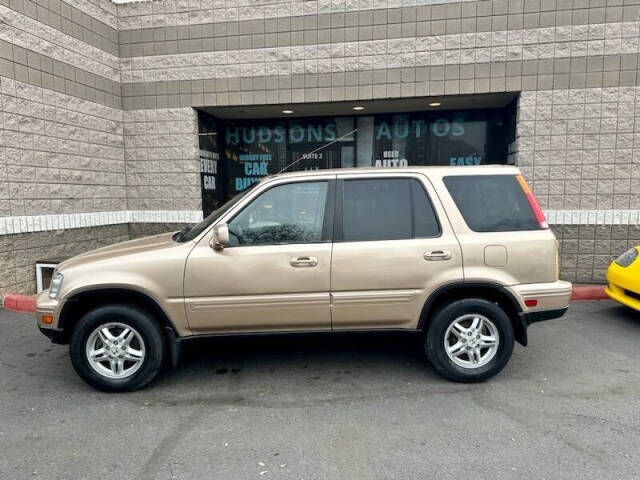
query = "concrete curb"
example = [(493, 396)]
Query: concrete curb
[(588, 292), (27, 303), (19, 303)]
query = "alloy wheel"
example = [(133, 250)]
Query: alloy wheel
[(115, 350), (471, 341)]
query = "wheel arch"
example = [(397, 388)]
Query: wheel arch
[(82, 302), (492, 292)]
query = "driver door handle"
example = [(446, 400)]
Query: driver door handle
[(303, 262), (437, 255)]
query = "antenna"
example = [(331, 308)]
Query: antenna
[(318, 149)]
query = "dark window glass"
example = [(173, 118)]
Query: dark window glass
[(425, 222), (380, 209), (491, 203), (291, 213)]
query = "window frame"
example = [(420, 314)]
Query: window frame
[(327, 221), (338, 234)]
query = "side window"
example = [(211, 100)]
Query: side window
[(491, 203), (290, 213), (386, 209)]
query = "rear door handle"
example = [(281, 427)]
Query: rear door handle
[(303, 262), (437, 255)]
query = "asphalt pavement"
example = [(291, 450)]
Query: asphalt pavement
[(332, 407)]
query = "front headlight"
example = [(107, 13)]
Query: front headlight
[(627, 258), (54, 286)]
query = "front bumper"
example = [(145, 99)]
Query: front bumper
[(623, 284), (46, 306), (56, 335)]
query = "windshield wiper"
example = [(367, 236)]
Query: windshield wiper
[(179, 236)]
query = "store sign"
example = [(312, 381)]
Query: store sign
[(469, 160), (324, 133), (254, 167), (293, 134), (209, 169), (391, 159), (440, 127)]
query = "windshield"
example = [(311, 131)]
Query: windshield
[(196, 230)]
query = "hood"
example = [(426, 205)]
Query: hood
[(155, 242)]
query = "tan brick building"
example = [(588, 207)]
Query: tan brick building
[(119, 120)]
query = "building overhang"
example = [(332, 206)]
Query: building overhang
[(373, 106)]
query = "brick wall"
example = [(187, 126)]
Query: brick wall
[(161, 151), (587, 250), (61, 154), (19, 253)]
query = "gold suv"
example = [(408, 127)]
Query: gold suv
[(462, 255)]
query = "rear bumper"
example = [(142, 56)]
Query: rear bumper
[(551, 301), (527, 318), (548, 296), (533, 317)]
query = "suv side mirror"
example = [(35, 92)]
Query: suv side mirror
[(220, 238)]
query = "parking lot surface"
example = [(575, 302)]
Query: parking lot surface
[(332, 407)]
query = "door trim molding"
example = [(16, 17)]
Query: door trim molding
[(374, 296), (243, 302)]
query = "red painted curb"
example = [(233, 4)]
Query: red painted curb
[(19, 303), (588, 292)]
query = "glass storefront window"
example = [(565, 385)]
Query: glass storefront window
[(211, 167), (250, 149)]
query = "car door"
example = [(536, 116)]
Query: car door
[(393, 246), (275, 273)]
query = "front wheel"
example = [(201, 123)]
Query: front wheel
[(469, 340), (117, 348)]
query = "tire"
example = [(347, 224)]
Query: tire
[(102, 326), (480, 361)]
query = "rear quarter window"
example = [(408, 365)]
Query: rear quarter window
[(491, 203)]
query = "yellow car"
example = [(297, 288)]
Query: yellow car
[(623, 278)]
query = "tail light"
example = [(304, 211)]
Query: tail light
[(533, 203)]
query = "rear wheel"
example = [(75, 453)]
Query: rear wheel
[(117, 348), (469, 340)]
